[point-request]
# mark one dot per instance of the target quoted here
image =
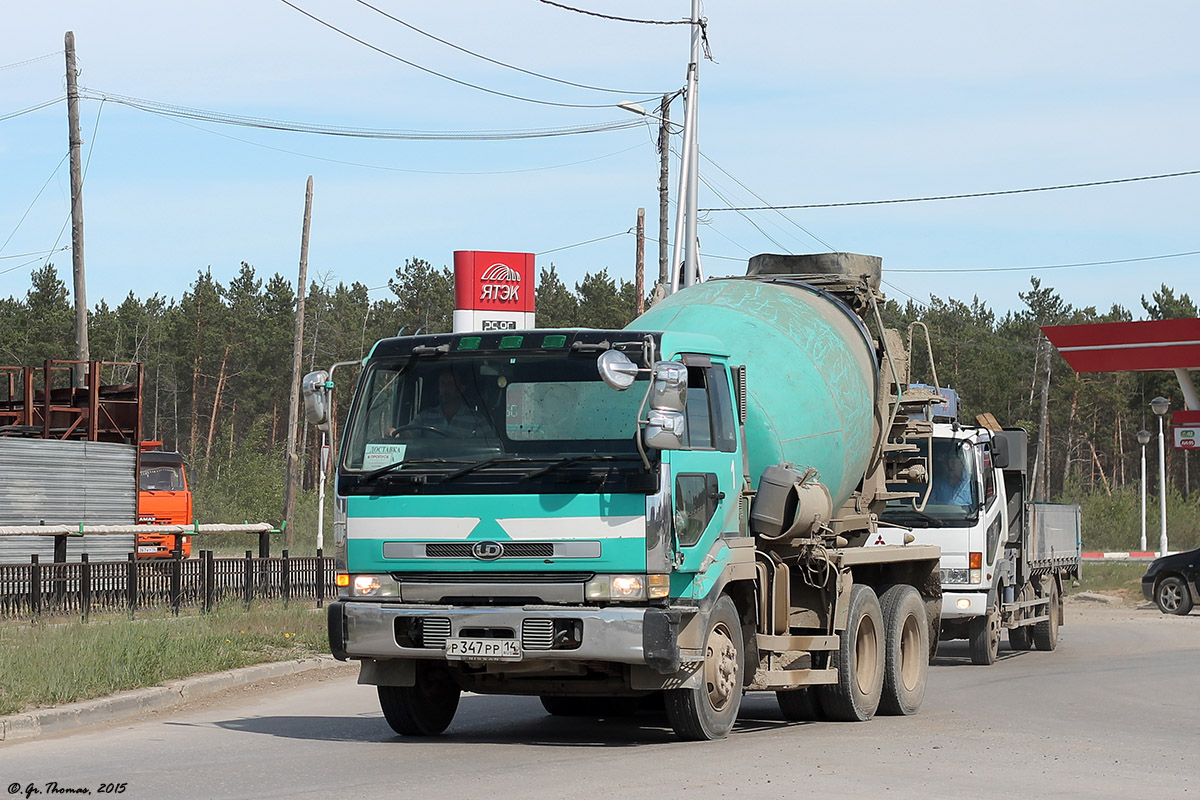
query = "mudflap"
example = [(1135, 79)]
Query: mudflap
[(336, 625), (660, 640)]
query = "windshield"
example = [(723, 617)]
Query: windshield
[(161, 478), (520, 411), (954, 498)]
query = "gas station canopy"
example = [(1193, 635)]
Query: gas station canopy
[(1158, 345), (1168, 345)]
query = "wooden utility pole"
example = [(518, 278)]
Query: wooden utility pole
[(664, 162), (81, 320), (1041, 463), (293, 461), (640, 271)]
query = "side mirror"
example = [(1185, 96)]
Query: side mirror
[(670, 386), (665, 430), (616, 370), (315, 389)]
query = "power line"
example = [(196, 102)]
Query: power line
[(31, 204), (589, 241), (1051, 266), (38, 253), (31, 109), (33, 60), (964, 196), (400, 169), (777, 211), (499, 63), (618, 19), (441, 75), (264, 123)]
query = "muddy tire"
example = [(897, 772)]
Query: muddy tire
[(1045, 634), (800, 705), (983, 634), (1018, 638), (1172, 596), (859, 661), (425, 709), (906, 651), (709, 710)]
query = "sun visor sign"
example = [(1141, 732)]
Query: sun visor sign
[(493, 291)]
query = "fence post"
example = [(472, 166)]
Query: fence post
[(210, 574), (35, 586), (85, 585), (131, 584), (57, 573), (285, 579), (176, 588), (320, 578), (249, 587)]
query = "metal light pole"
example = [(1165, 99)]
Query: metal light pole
[(1143, 438), (1159, 406)]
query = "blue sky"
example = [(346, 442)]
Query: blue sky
[(806, 102)]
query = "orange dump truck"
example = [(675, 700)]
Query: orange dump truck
[(163, 499)]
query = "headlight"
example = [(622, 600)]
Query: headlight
[(374, 586), (624, 588), (955, 576)]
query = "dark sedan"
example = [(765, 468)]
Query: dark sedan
[(1170, 581)]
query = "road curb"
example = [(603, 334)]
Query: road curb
[(45, 721)]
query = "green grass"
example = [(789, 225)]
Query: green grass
[(50, 664), (1116, 578)]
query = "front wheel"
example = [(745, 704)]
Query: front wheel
[(424, 709), (906, 649), (859, 661), (1172, 597), (709, 710), (984, 633)]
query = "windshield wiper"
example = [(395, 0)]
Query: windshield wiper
[(488, 462), (571, 460), (892, 513), (395, 465)]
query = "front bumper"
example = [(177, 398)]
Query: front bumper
[(643, 636), (1148, 589), (976, 604)]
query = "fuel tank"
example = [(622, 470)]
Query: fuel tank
[(811, 371)]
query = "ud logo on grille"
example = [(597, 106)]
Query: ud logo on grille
[(487, 551)]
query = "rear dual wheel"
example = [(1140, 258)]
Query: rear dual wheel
[(1045, 634), (906, 650), (859, 661)]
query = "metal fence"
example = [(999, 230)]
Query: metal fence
[(82, 587)]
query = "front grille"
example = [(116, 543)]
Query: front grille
[(435, 631), (469, 578), (537, 634), (511, 550)]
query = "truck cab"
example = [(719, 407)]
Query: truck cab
[(163, 499), (964, 510), (1005, 561)]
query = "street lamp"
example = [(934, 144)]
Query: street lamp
[(1159, 406), (1143, 437)]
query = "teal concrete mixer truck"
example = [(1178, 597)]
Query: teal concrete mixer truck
[(673, 513)]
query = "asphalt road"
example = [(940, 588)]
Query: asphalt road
[(1113, 713)]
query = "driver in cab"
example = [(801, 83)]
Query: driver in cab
[(452, 417)]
